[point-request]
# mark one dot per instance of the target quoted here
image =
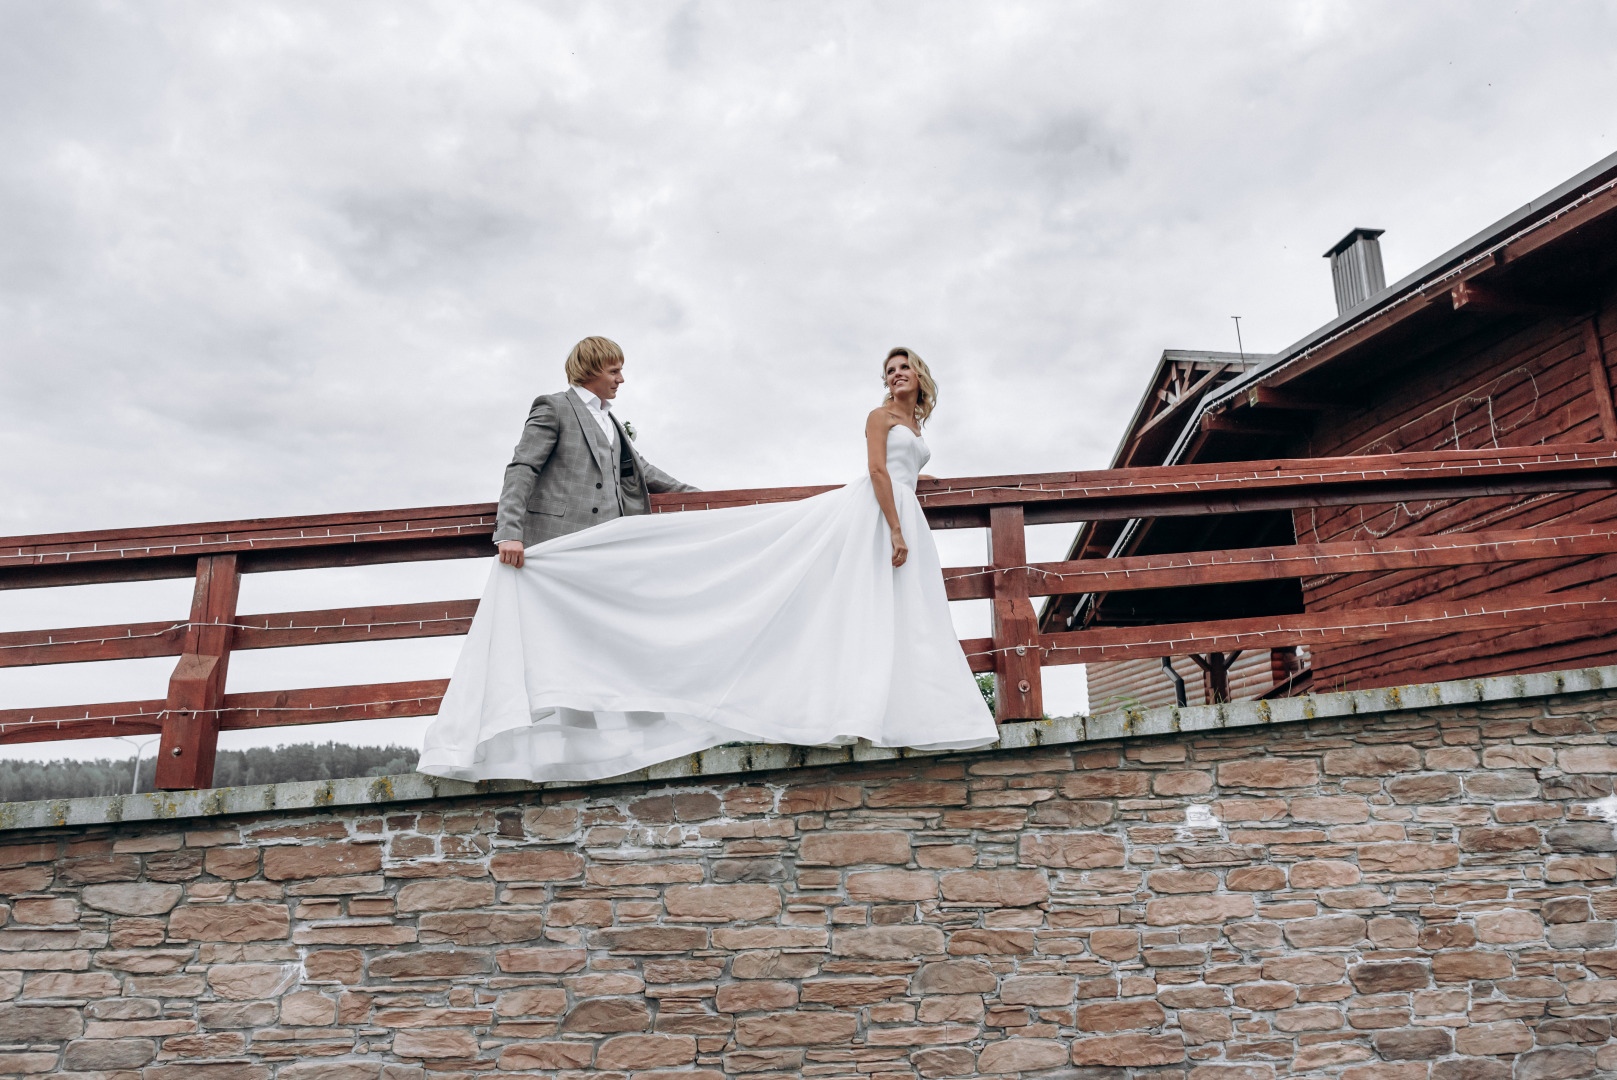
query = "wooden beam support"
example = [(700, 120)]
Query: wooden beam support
[(196, 690), (239, 712), (1103, 495), (74, 645), (1018, 691), (1243, 424), (1263, 397), (1136, 572), (1489, 299), (1599, 378), (1330, 627)]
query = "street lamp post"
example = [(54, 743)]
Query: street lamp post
[(140, 750)]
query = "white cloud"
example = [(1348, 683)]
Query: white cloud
[(269, 258)]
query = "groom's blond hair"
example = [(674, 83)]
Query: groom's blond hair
[(590, 357)]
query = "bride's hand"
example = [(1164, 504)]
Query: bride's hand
[(901, 550)]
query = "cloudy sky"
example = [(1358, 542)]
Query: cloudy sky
[(278, 258)]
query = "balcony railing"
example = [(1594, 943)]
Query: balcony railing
[(216, 554)]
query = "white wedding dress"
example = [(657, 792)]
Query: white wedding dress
[(655, 636)]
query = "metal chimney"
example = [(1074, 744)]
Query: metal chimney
[(1356, 268)]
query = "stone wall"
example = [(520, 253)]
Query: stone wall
[(1415, 895)]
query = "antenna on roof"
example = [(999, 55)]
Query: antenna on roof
[(1238, 344)]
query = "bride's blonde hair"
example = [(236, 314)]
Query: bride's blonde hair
[(927, 399)]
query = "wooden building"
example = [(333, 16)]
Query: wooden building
[(1501, 341)]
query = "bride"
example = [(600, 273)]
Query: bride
[(646, 638)]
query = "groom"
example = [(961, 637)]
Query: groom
[(575, 465)]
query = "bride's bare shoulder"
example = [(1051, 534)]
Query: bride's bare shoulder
[(880, 419)]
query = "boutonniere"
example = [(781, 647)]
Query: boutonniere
[(628, 429)]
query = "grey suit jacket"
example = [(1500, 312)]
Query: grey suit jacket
[(563, 476)]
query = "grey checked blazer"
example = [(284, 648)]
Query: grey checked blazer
[(563, 476)]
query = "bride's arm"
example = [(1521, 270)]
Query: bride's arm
[(876, 429)]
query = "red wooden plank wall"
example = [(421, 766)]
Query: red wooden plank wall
[(1533, 387)]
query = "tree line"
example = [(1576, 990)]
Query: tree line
[(28, 781)]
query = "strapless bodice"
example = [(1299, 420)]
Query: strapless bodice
[(907, 455)]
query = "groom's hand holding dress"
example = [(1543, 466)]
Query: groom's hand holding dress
[(575, 465)]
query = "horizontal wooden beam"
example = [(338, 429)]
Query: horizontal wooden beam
[(444, 618), (1484, 298), (1325, 627), (56, 723), (275, 708), (81, 644), (332, 704), (130, 641), (1293, 561), (1100, 495), (1246, 423), (1263, 397)]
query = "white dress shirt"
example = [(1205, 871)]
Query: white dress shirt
[(601, 412)]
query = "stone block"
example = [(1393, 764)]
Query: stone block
[(538, 1001), (996, 888), (1182, 881), (1041, 990), (756, 996), (864, 991), (87, 1055), (1323, 873), (722, 903), (132, 898), (887, 942), (302, 861), (1106, 785), (1265, 997), (1384, 760), (944, 1062), (1169, 784), (1467, 965), (546, 961), (608, 1015), (1404, 858), (230, 922), (916, 793), (1022, 1055), (990, 942), (1505, 927), (447, 894), (1488, 1040), (1330, 809), (854, 848), (1269, 773), (1325, 931), (954, 977), (536, 864), (546, 1056), (1134, 1051), (247, 982), (811, 1029), (1081, 851), (1120, 1016), (435, 1044), (1198, 910), (892, 885)]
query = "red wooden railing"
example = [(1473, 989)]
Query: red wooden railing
[(197, 707)]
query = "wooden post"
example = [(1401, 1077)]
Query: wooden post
[(1216, 671), (1283, 664), (196, 690), (1599, 379), (1018, 694)]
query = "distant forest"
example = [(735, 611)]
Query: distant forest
[(28, 781)]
